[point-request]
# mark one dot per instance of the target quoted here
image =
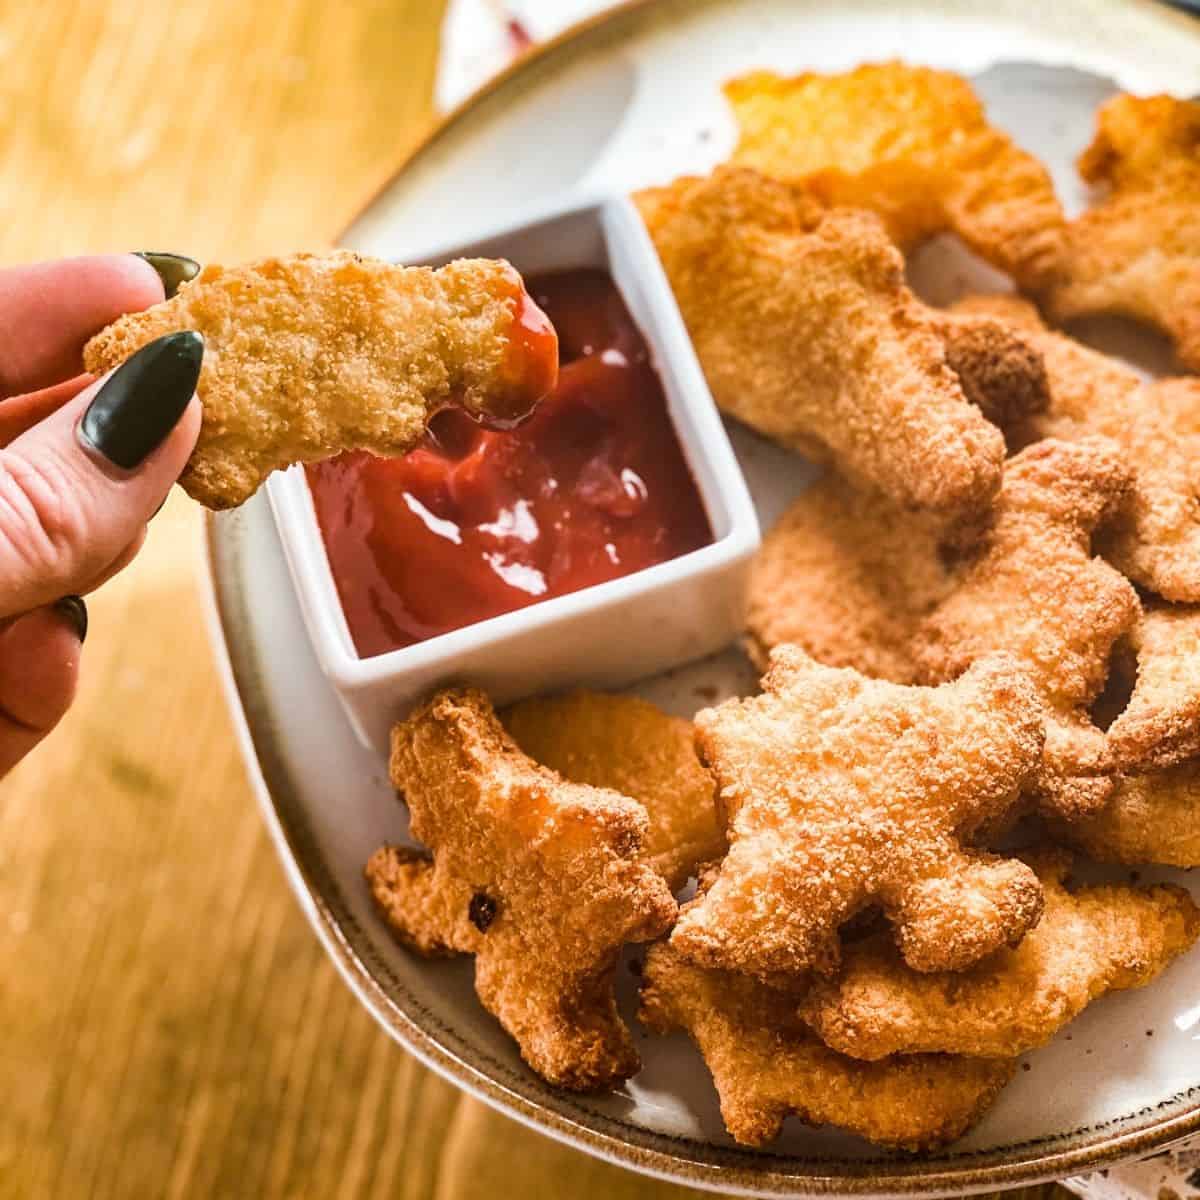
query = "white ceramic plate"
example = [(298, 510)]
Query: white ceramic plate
[(632, 99)]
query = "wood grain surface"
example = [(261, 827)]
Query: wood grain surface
[(170, 1026)]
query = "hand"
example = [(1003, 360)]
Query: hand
[(84, 464)]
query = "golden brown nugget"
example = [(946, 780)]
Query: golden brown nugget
[(1089, 941), (1035, 590), (1160, 725), (313, 354), (766, 1065), (847, 575), (1151, 818), (912, 144), (1155, 537), (1137, 251), (541, 879), (807, 332), (1001, 372), (627, 745), (840, 791)]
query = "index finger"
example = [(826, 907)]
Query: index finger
[(49, 310)]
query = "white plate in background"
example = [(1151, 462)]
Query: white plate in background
[(631, 100)]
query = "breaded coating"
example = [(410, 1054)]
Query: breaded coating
[(1034, 590), (1137, 251), (766, 1065), (1089, 941), (313, 354), (541, 879), (840, 791), (1001, 373), (1160, 726), (847, 575), (628, 745), (912, 144), (807, 332), (1152, 818), (1155, 538)]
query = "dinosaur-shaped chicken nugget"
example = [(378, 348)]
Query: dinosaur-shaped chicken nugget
[(914, 145), (1160, 725), (807, 332), (1137, 251), (1035, 590), (541, 879), (847, 575), (626, 744), (841, 791), (310, 355), (1155, 536), (1151, 818), (766, 1064), (1088, 942)]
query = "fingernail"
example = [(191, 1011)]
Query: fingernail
[(143, 399), (73, 610), (173, 269)]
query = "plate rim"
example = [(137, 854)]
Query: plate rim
[(1039, 1166), (572, 38)]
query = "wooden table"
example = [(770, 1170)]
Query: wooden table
[(170, 1026)]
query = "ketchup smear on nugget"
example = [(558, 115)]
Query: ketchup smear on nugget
[(477, 522)]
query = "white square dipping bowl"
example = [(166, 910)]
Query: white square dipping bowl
[(605, 636)]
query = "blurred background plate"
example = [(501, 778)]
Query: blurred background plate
[(632, 98)]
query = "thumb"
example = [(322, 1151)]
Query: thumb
[(78, 487)]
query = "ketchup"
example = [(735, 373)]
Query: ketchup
[(477, 522)]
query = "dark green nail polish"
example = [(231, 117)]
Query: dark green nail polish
[(142, 401), (173, 269), (73, 610)]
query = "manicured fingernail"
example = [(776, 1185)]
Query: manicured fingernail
[(173, 269), (73, 610), (143, 399)]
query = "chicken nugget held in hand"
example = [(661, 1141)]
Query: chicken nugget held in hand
[(542, 880), (311, 354), (840, 792)]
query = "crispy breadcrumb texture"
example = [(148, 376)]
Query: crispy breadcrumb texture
[(628, 745), (847, 575), (1151, 818), (766, 1065), (912, 144), (1155, 537), (807, 332), (540, 879), (1035, 590), (1001, 373), (312, 354), (1137, 250), (1090, 941), (1160, 726), (840, 792)]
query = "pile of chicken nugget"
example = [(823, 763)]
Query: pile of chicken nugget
[(979, 632)]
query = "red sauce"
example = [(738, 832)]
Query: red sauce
[(475, 522), (530, 366)]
